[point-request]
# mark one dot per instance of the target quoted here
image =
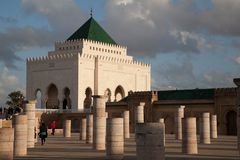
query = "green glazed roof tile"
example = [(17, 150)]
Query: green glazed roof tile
[(91, 30)]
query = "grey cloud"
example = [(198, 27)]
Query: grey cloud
[(8, 83), (17, 39), (223, 19), (218, 79), (64, 16), (178, 76), (7, 19), (146, 26), (181, 76)]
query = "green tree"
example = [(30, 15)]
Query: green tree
[(15, 99)]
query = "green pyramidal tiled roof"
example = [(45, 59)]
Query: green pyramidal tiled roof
[(186, 94), (91, 30)]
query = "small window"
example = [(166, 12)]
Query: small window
[(90, 47), (66, 48), (105, 50), (96, 49), (70, 47), (77, 47), (93, 48)]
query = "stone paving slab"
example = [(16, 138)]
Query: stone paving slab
[(60, 148)]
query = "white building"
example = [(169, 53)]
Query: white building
[(88, 63)]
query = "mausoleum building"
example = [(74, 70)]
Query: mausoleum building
[(88, 63)]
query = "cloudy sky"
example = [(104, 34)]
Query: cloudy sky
[(189, 43)]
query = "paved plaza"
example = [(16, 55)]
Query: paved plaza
[(59, 148)]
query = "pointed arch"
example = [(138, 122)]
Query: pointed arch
[(52, 97), (67, 103), (38, 98), (119, 93), (108, 94), (88, 99)]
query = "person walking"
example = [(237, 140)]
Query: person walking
[(43, 133), (53, 127)]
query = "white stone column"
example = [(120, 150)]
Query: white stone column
[(114, 139), (126, 124), (30, 112), (213, 126), (67, 128), (6, 143), (178, 122), (205, 128), (83, 129), (161, 120), (89, 131), (189, 139), (99, 122), (139, 113), (19, 123), (149, 141)]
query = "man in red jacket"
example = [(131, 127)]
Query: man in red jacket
[(53, 126)]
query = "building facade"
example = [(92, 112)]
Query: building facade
[(88, 63), (164, 104)]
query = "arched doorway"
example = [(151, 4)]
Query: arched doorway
[(231, 119), (88, 99), (52, 100), (38, 98), (108, 94), (67, 104), (119, 93)]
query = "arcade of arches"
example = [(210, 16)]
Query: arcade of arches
[(163, 104), (159, 105), (52, 98), (119, 94), (52, 101)]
